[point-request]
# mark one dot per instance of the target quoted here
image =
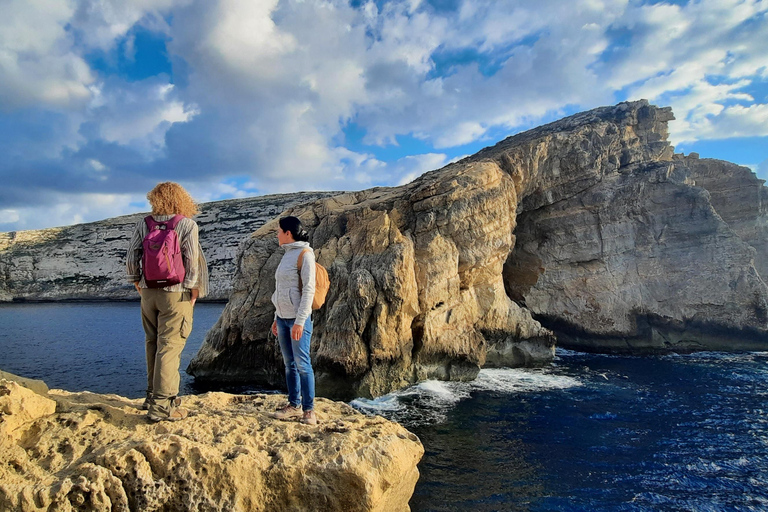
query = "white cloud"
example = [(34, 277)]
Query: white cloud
[(9, 216), (37, 63), (66, 209), (246, 39), (462, 133), (263, 89), (409, 168), (725, 123), (203, 193), (138, 114), (532, 80), (698, 57), (100, 23)]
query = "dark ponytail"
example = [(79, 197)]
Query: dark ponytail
[(295, 227)]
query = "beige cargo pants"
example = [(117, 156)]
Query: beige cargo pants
[(167, 320)]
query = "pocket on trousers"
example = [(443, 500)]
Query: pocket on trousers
[(186, 327)]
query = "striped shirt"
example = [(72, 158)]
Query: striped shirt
[(196, 269)]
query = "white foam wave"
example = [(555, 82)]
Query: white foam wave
[(428, 402), (443, 392), (564, 352), (513, 380)]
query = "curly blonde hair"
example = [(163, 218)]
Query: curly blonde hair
[(169, 198)]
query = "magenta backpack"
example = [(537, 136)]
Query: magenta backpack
[(162, 263)]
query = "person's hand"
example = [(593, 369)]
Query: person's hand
[(274, 328), (195, 293), (296, 332), (136, 285)]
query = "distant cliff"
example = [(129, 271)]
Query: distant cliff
[(589, 228), (87, 261)]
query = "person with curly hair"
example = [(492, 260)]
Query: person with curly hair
[(166, 313)]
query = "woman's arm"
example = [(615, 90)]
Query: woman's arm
[(308, 287), (133, 258)]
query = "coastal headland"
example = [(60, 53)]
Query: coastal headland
[(589, 232)]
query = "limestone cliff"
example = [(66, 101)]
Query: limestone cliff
[(590, 223), (82, 451), (87, 261), (620, 248), (416, 289), (738, 196)]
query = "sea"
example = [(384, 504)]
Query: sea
[(589, 432)]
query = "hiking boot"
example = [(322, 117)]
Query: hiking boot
[(287, 412), (147, 401), (176, 414), (309, 417)]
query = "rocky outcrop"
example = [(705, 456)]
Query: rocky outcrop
[(627, 250), (87, 261), (591, 224), (82, 451), (35, 385), (416, 289), (738, 196)]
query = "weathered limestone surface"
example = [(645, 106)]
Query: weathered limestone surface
[(739, 197), (87, 261), (35, 385), (82, 451)]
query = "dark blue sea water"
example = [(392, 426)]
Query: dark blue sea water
[(96, 346), (591, 432)]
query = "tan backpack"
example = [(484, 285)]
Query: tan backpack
[(322, 283)]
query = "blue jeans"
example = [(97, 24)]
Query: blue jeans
[(299, 376)]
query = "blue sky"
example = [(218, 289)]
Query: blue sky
[(101, 99)]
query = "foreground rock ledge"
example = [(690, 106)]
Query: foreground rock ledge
[(84, 451)]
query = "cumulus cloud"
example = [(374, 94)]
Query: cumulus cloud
[(725, 122), (534, 72), (137, 114), (37, 61), (66, 209), (98, 24), (260, 93), (411, 167), (698, 58)]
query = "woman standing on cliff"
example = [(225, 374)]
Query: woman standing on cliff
[(294, 290), (166, 313)]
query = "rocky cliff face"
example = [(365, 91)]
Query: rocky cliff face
[(82, 451), (87, 261), (416, 289), (738, 196), (633, 248), (590, 223)]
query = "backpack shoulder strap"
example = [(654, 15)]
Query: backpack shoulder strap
[(150, 222), (298, 264), (170, 223), (301, 260)]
